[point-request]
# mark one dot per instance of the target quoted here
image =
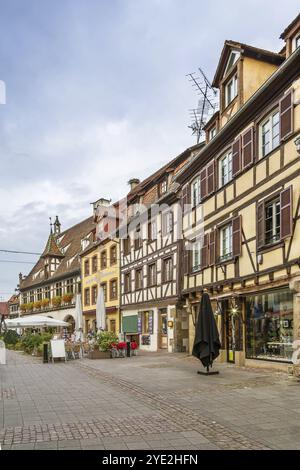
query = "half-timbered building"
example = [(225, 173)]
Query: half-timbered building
[(151, 274), (51, 286), (242, 195)]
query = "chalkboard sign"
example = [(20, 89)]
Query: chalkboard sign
[(58, 349), (146, 341)]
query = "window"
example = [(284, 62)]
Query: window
[(167, 223), (196, 193), (146, 319), (226, 242), (269, 325), (126, 246), (163, 187), (112, 326), (127, 283), (58, 289), (212, 133), (94, 294), (104, 287), (87, 296), (39, 293), (297, 41), (47, 292), (70, 286), (234, 55), (138, 238), (24, 298), (225, 169), (103, 259), (167, 269), (113, 289), (272, 221), (113, 255), (87, 267), (138, 279), (196, 256), (269, 131), (152, 230), (31, 296), (231, 90), (94, 264), (152, 274)]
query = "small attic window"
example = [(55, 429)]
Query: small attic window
[(234, 56), (296, 42)]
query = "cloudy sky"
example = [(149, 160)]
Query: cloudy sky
[(97, 93)]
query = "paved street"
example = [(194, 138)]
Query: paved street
[(154, 401)]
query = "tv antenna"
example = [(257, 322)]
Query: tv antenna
[(207, 103)]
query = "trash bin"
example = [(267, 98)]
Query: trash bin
[(45, 352), (128, 348)]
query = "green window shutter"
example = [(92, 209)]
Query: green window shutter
[(130, 324)]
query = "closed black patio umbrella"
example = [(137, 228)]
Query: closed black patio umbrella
[(207, 343)]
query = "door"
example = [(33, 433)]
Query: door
[(163, 329)]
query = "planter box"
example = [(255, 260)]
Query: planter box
[(99, 355)]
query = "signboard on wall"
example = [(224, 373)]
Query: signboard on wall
[(139, 325), (150, 322)]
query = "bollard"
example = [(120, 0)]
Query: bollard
[(45, 353), (128, 348)]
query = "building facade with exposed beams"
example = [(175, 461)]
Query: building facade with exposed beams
[(51, 286), (100, 268), (242, 195), (152, 312)]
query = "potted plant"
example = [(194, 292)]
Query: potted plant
[(134, 347), (104, 341), (45, 303), (122, 348), (29, 307), (67, 298), (56, 301), (23, 308), (37, 305)]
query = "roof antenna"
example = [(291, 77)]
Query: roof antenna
[(207, 104)]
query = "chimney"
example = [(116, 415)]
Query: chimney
[(133, 183)]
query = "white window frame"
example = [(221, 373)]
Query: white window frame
[(226, 244), (274, 130), (233, 82), (225, 163), (229, 66), (196, 192), (212, 133), (275, 209), (196, 256), (296, 42), (163, 187)]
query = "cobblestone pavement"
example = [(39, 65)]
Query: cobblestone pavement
[(154, 401)]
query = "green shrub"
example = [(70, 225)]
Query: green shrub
[(10, 337), (105, 339)]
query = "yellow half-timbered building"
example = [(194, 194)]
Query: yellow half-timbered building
[(241, 200)]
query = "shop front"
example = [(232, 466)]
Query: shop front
[(269, 325)]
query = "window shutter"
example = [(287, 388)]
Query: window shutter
[(186, 198), (212, 248), (210, 178), (260, 224), (186, 260), (286, 115), (286, 212), (248, 147), (204, 252), (237, 236), (203, 183), (236, 156)]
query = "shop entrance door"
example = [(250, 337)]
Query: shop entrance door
[(231, 332), (163, 329)]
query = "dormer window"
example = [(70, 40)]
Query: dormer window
[(231, 90), (297, 42), (212, 133)]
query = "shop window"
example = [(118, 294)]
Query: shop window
[(269, 326)]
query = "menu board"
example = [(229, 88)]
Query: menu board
[(150, 322), (139, 325)]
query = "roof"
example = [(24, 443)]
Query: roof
[(14, 299), (141, 188), (68, 243), (288, 29), (3, 308), (248, 51), (52, 248)]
